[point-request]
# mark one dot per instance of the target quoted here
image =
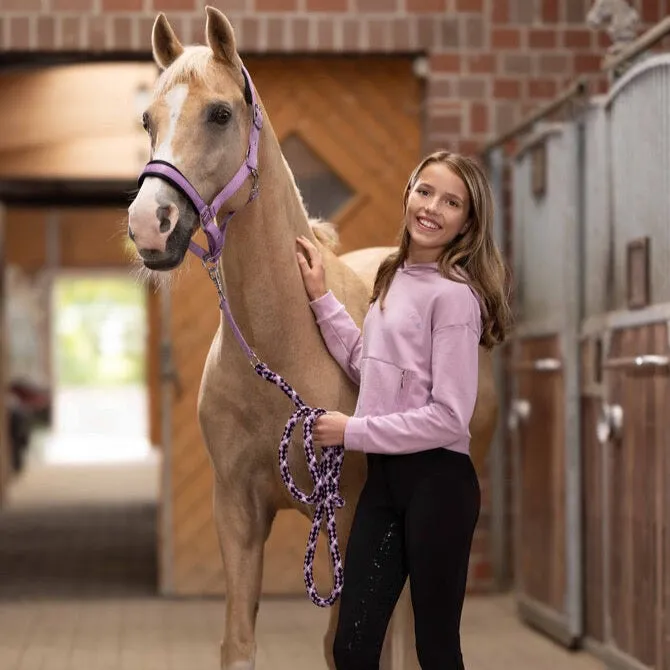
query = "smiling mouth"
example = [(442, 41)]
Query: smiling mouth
[(427, 225)]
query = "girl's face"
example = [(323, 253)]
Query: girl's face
[(437, 210)]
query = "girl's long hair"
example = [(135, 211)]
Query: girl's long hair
[(471, 257)]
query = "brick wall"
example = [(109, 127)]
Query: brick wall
[(489, 61)]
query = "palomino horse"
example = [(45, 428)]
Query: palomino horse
[(206, 121)]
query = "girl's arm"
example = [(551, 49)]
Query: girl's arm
[(445, 419), (340, 333)]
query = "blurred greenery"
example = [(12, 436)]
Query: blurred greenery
[(100, 331)]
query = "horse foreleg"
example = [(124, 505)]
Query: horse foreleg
[(243, 524)]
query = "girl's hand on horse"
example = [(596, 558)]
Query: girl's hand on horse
[(313, 274), (329, 429)]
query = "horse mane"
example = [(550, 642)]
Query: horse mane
[(192, 64), (325, 232)]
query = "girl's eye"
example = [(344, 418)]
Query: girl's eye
[(145, 122)]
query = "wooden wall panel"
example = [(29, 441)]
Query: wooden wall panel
[(361, 116)]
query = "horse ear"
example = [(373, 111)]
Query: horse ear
[(166, 47), (220, 36)]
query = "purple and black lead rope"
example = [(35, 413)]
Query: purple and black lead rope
[(326, 493)]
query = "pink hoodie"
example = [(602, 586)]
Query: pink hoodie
[(416, 364)]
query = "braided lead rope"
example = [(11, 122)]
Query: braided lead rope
[(325, 495), (325, 474)]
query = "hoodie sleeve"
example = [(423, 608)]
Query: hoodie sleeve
[(444, 420), (341, 335)]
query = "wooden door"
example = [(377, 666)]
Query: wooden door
[(350, 129), (540, 480), (628, 605), (5, 446)]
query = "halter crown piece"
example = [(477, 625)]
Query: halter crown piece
[(325, 473)]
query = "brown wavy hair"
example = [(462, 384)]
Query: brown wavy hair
[(471, 257)]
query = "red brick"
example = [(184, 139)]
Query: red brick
[(276, 5), (71, 32), (542, 88), (46, 32), (470, 5), (401, 39), (554, 63), (507, 89), (72, 6), (122, 28), (517, 63), (351, 34), (481, 63), (378, 34), (326, 5), (300, 33), (575, 38), (96, 33), (373, 6), (650, 12), (500, 11), (173, 5), (479, 117), (419, 6), (474, 32), (470, 148), (19, 32), (587, 63), (275, 34), (439, 88), (325, 34), (541, 38), (122, 5), (550, 11), (450, 62), (472, 88), (505, 38), (449, 32), (450, 123), (20, 6)]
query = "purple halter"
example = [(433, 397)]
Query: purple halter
[(215, 235), (325, 473)]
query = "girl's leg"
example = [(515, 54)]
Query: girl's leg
[(374, 575), (439, 526)]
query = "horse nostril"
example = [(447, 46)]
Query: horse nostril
[(131, 234), (163, 213)]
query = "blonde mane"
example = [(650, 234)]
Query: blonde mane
[(192, 64)]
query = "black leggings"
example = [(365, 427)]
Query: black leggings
[(416, 516)]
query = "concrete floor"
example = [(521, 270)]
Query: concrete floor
[(77, 590)]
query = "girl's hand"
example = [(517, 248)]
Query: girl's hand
[(329, 429), (313, 274)]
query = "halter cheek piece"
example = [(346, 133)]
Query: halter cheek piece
[(325, 473)]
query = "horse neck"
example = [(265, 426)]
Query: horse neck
[(262, 278)]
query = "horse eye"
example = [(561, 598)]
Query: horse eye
[(219, 114)]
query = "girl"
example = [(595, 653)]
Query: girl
[(434, 301)]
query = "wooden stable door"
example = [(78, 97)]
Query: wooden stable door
[(350, 129), (538, 420), (627, 497)]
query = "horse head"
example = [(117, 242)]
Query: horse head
[(200, 123)]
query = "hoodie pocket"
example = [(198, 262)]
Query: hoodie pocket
[(385, 388)]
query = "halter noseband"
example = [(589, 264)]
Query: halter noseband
[(167, 172)]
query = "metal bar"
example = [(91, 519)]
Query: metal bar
[(538, 365), (577, 89), (642, 43), (644, 361), (499, 457)]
